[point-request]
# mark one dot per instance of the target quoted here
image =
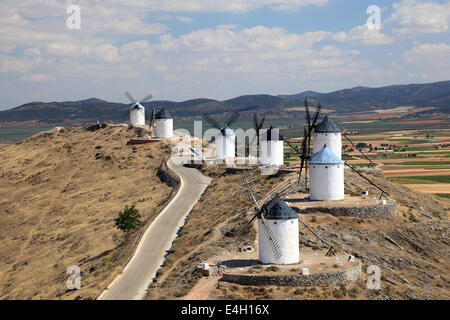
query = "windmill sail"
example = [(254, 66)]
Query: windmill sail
[(277, 252)]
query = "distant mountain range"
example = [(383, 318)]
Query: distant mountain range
[(358, 99)]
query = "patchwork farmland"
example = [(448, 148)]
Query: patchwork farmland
[(411, 151)]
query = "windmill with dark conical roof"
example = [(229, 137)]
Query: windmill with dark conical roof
[(327, 132), (278, 232), (163, 124)]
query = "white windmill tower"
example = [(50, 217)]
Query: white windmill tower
[(137, 110), (327, 132), (163, 124), (271, 148), (269, 142), (326, 176), (278, 232), (226, 140)]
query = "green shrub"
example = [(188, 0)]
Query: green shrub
[(128, 219), (338, 294), (181, 293), (353, 292), (299, 291), (272, 268), (436, 213)]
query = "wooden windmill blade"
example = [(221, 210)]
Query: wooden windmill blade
[(304, 156), (247, 180), (280, 190), (130, 97), (316, 116), (146, 98), (232, 119), (274, 244), (257, 125), (308, 117), (368, 180), (246, 227), (152, 118), (212, 121), (298, 151), (360, 151)]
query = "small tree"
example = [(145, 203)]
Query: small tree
[(128, 219)]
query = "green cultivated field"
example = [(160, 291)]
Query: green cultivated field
[(420, 179), (422, 163), (15, 134)]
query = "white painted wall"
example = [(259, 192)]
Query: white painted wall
[(326, 182), (225, 146), (286, 232), (164, 128), (332, 140), (137, 116), (271, 153)]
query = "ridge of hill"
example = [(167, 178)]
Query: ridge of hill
[(358, 99)]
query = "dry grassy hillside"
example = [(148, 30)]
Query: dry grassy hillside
[(59, 195), (420, 269)]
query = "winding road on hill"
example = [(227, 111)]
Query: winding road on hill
[(132, 283)]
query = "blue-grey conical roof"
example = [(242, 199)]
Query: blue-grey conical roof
[(278, 209), (325, 156), (137, 105), (163, 114), (327, 126)]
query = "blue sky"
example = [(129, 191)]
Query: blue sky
[(184, 49)]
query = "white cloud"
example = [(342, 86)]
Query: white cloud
[(37, 77), (220, 5), (32, 52), (113, 49), (14, 65), (414, 16), (429, 55), (184, 19), (364, 35), (424, 63)]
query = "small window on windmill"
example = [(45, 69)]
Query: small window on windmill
[(326, 134), (292, 221), (326, 167), (274, 222)]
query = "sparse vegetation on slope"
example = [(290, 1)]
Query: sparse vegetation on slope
[(60, 193), (418, 269), (210, 228)]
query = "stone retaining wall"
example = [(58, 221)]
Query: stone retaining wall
[(379, 211), (167, 176), (313, 280)]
